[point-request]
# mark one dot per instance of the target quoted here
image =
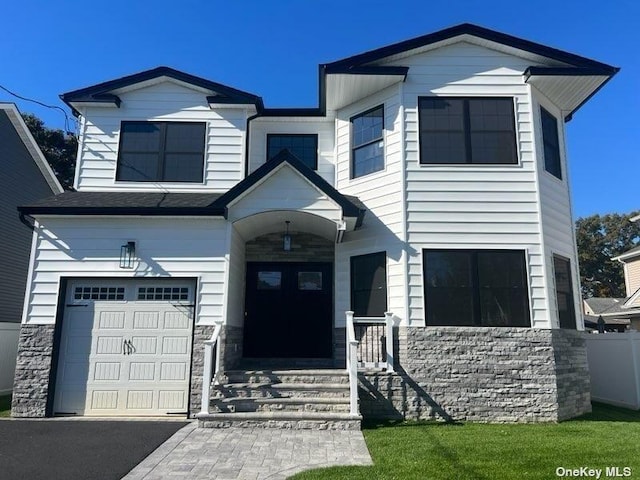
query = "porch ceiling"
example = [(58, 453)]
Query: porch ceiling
[(274, 221)]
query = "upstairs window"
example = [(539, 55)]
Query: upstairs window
[(303, 146), (551, 144), (485, 288), (369, 285), (564, 292), (161, 152), (455, 130), (367, 142)]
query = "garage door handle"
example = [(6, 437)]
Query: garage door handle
[(128, 348)]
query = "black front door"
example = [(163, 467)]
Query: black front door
[(288, 310)]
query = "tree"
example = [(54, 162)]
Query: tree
[(58, 148), (599, 239)]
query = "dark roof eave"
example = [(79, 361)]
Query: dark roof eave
[(366, 70), (238, 96), (473, 30), (124, 211)]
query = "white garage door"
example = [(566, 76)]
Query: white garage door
[(125, 348)]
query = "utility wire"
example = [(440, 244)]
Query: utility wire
[(55, 107)]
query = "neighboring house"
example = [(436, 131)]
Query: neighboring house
[(24, 178), (629, 308), (605, 308), (428, 188)]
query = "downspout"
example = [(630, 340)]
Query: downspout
[(246, 144), (23, 219)]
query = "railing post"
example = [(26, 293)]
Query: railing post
[(206, 377), (216, 368), (388, 320), (210, 368), (352, 364)]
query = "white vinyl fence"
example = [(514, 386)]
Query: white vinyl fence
[(8, 348), (614, 366)]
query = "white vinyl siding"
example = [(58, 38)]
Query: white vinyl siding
[(381, 192), (555, 210), (472, 206), (90, 247), (285, 188), (324, 128), (632, 276), (167, 101), (237, 271)]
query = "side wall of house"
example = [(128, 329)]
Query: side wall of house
[(555, 210), (381, 192), (472, 206), (167, 101)]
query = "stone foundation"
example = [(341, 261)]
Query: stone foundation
[(481, 374), (33, 371)]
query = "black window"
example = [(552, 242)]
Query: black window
[(476, 288), (367, 142), (161, 152), (304, 147), (564, 292), (551, 143), (467, 130), (369, 285)]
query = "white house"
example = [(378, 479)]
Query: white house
[(428, 190)]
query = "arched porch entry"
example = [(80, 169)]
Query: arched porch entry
[(289, 291)]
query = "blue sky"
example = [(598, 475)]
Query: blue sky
[(272, 48)]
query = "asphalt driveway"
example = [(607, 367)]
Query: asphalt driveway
[(77, 449)]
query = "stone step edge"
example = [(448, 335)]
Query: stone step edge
[(286, 386), (320, 416), (290, 400), (305, 371)]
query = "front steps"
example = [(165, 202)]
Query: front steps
[(291, 399)]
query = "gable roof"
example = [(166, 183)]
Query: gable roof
[(378, 54), (13, 114), (351, 206), (102, 92)]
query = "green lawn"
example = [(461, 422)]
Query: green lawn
[(5, 406), (607, 437)]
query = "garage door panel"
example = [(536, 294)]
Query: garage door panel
[(145, 345), (111, 320), (109, 345), (174, 371), (140, 400), (128, 354), (104, 399), (175, 345), (106, 371), (145, 320), (142, 371), (177, 320), (172, 400)]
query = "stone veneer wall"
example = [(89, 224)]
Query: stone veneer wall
[(231, 342), (572, 373), (481, 374), (305, 247), (33, 369)]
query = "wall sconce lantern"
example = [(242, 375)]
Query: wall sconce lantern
[(127, 254), (286, 239)]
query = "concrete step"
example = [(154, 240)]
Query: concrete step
[(282, 420), (286, 376), (279, 390), (285, 404)]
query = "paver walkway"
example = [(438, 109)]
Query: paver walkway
[(249, 453)]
